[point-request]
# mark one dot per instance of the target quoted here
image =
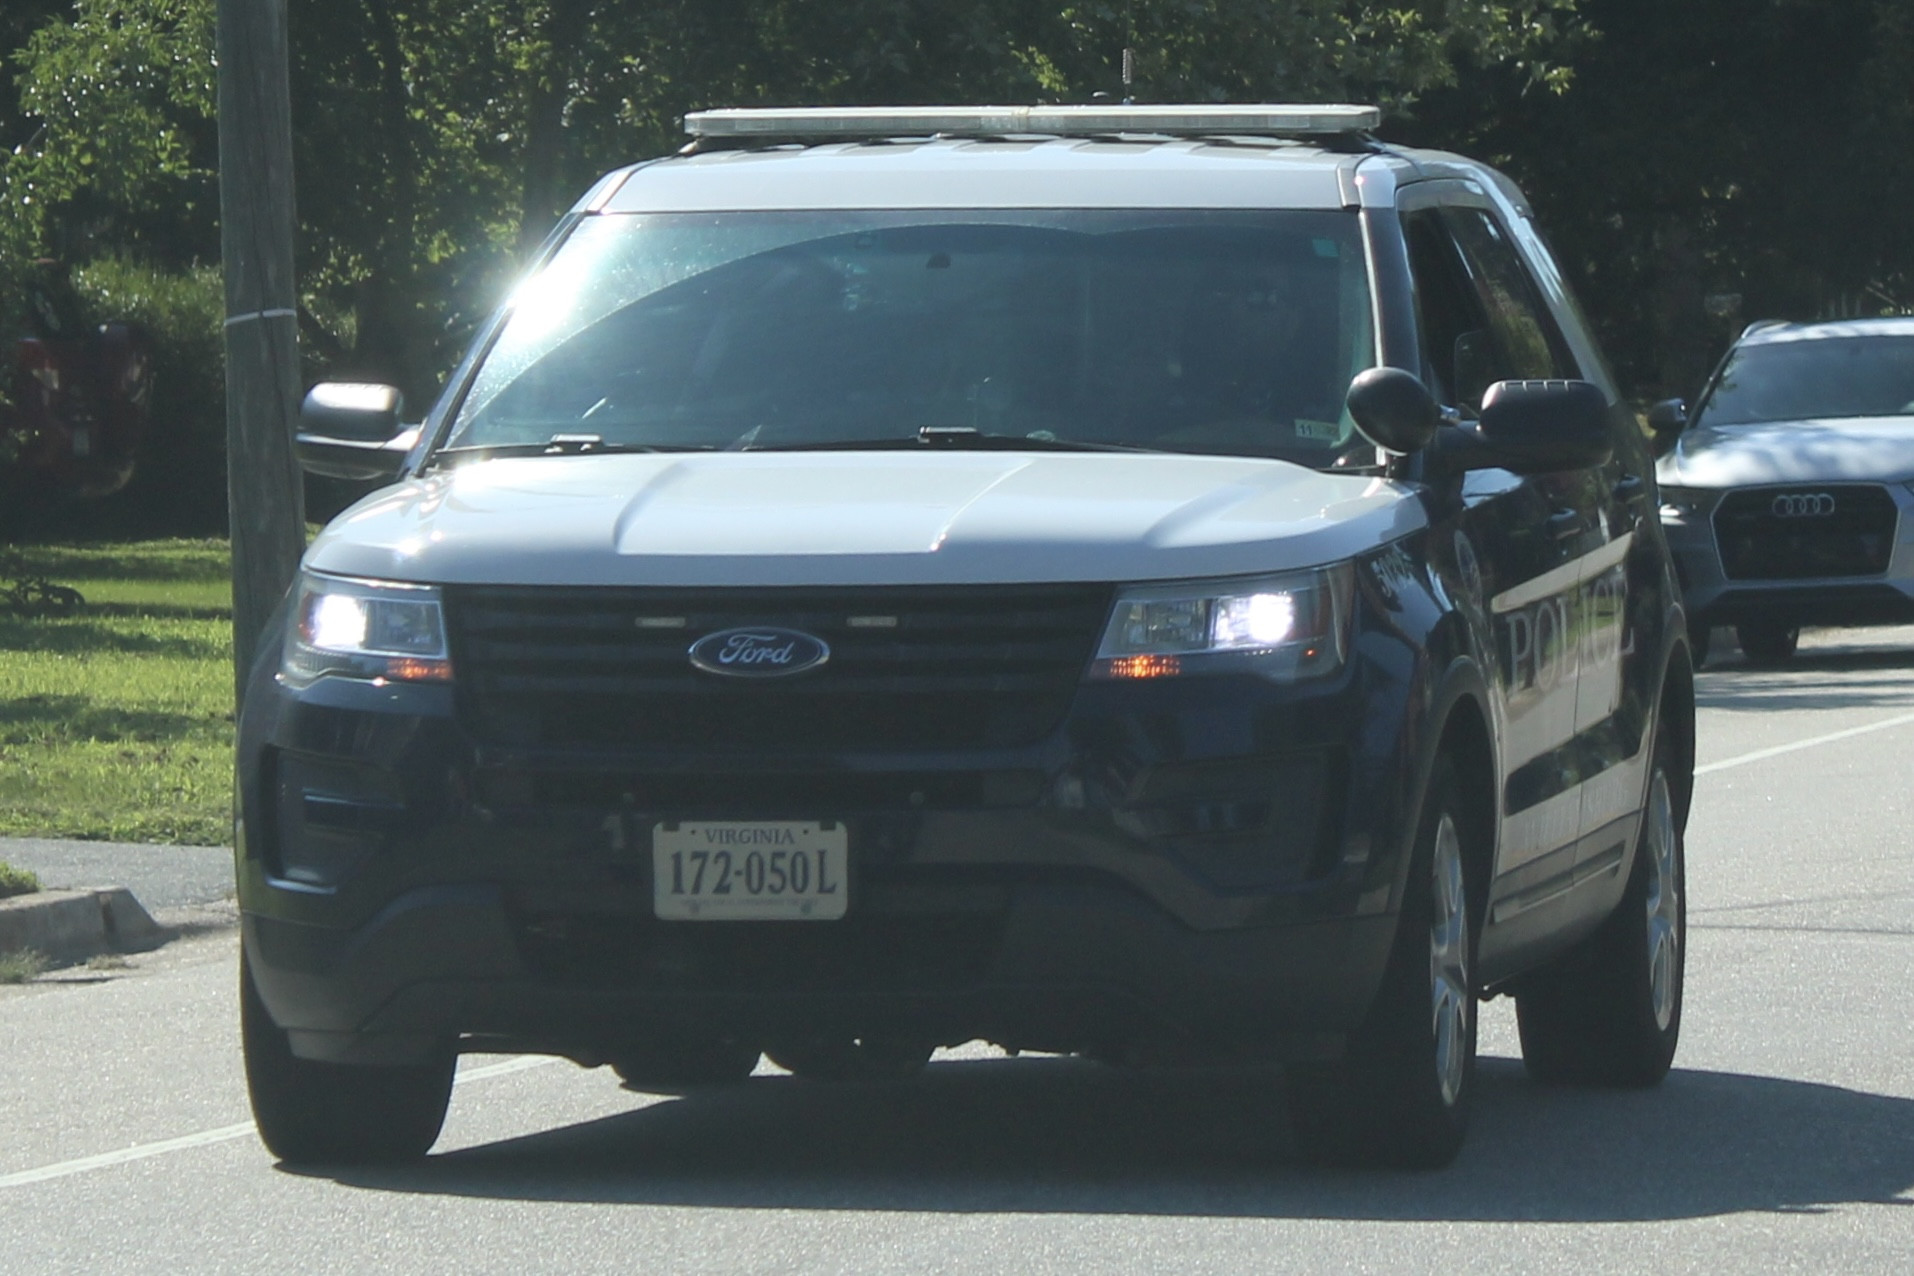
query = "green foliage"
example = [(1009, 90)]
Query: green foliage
[(1714, 162), (1684, 156), (114, 145), (117, 723), (124, 94), (437, 140), (180, 486), (21, 967), (16, 881)]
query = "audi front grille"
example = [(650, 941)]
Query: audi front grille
[(1806, 532)]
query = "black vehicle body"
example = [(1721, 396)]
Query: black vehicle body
[(1192, 869)]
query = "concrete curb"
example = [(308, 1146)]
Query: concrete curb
[(77, 924)]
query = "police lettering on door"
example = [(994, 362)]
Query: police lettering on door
[(1549, 642)]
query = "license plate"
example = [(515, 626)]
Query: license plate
[(731, 870)]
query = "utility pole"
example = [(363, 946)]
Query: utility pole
[(263, 486)]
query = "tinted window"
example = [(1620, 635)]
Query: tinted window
[(1528, 344), (1820, 377), (1189, 331), (1449, 317)]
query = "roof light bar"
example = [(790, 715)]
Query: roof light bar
[(1199, 120)]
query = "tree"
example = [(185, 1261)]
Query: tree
[(1712, 162), (122, 143), (437, 140)]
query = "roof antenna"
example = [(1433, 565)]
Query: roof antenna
[(1129, 76)]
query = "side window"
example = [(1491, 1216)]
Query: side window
[(1454, 331), (1528, 343)]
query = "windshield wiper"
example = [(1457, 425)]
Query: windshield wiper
[(961, 438), (561, 445)]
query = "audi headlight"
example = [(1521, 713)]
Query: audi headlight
[(373, 630), (1290, 626), (1679, 504)]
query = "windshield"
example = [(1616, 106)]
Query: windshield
[(1222, 331), (1821, 377)]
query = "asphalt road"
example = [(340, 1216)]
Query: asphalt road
[(1783, 1141), (160, 877)]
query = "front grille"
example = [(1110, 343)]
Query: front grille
[(767, 794), (974, 667), (1800, 533)]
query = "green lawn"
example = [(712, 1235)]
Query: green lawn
[(117, 723)]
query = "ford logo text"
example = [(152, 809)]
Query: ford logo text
[(1802, 505), (758, 653)]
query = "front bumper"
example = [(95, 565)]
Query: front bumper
[(1712, 597), (1207, 864)]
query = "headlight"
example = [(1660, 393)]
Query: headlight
[(1289, 626), (1681, 503), (365, 629)]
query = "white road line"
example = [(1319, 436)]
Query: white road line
[(1762, 754), (121, 1157), (224, 1133)]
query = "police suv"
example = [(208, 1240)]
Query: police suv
[(1172, 584)]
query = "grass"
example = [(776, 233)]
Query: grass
[(16, 881), (116, 724), (18, 968)]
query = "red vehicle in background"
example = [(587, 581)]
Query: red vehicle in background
[(78, 396)]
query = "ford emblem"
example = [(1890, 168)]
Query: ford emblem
[(762, 652)]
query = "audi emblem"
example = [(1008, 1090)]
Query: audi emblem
[(1802, 505)]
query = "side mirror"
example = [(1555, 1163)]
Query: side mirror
[(1670, 416), (1393, 409), (1533, 427), (1666, 421), (352, 431)]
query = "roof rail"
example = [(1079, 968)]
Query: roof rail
[(847, 123)]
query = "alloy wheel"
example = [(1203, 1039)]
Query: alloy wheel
[(1452, 1003), (1664, 899)]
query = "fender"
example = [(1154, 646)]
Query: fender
[(1675, 670), (1460, 680)]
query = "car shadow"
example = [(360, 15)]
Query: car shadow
[(1738, 685), (1064, 1136)]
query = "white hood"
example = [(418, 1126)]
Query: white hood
[(1865, 448), (852, 518)]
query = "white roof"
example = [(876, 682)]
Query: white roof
[(1031, 172), (1877, 327)]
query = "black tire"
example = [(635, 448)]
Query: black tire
[(332, 1113), (1401, 1096), (864, 1059), (1609, 1014), (681, 1066), (1766, 643)]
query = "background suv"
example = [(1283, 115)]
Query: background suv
[(1785, 495)]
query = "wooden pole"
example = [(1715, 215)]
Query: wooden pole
[(263, 485)]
